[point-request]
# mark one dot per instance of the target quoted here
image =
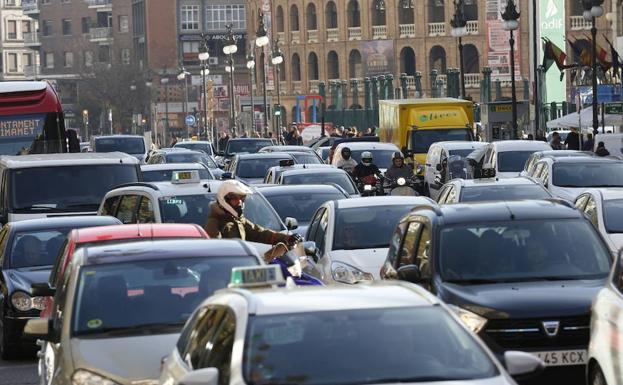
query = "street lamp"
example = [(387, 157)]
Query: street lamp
[(511, 23), (204, 55), (85, 122), (183, 75), (229, 49), (277, 59), (459, 29), (593, 10), (251, 67), (165, 81), (262, 41)]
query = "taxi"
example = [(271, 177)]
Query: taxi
[(254, 333)]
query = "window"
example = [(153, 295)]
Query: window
[(12, 62), (103, 54), (190, 47), (47, 28), (26, 26), (86, 24), (125, 56), (618, 275), (11, 30), (451, 197), (190, 17), (127, 209), (68, 59), (321, 231), (27, 59), (408, 245), (110, 206), (217, 16), (66, 27), (10, 3), (49, 60), (216, 353), (591, 212), (200, 337), (146, 211), (190, 330), (422, 258), (124, 23), (394, 250)]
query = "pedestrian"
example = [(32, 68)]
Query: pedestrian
[(337, 133), (298, 138), (573, 140), (173, 140), (589, 143), (601, 150), (556, 141), (289, 139), (223, 140), (530, 137), (244, 134)]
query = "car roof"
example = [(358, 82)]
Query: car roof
[(607, 193), (63, 222), (301, 166), (564, 153), (250, 140), (370, 146), (173, 166), (485, 212), (118, 136), (172, 189), (136, 231), (382, 201), (22, 86), (377, 295), (584, 160), (314, 170), (513, 145), (193, 141), (495, 182), (287, 148), (281, 189), (185, 151), (66, 159), (165, 249), (460, 144), (266, 155)]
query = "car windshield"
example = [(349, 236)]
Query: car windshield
[(156, 296), (165, 175), (302, 158), (36, 248), (417, 344), (301, 206), (367, 227), (461, 153), (196, 208), (421, 140), (523, 250), (123, 144), (246, 146), (67, 188), (256, 168), (503, 193), (340, 179), (513, 161), (382, 158), (613, 216), (588, 175), (205, 147), (190, 157)]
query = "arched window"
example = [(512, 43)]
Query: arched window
[(406, 12), (471, 10), (407, 61), (312, 66), (355, 69), (378, 12), (436, 11), (282, 71), (294, 18), (333, 65), (354, 14), (296, 68), (471, 59), (331, 15), (310, 15), (437, 59), (279, 19)]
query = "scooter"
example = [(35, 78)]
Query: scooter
[(294, 261), (370, 185), (401, 186)]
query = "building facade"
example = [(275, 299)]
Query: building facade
[(17, 33)]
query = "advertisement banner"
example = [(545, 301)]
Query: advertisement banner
[(270, 76), (378, 57), (498, 46), (552, 13)]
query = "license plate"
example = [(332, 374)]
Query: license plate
[(563, 357)]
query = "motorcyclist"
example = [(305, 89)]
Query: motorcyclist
[(365, 171), (347, 163), (399, 169), (226, 219)]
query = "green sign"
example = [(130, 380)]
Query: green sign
[(552, 23), (614, 108)]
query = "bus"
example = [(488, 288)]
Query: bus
[(32, 120)]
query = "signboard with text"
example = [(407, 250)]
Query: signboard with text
[(378, 57), (498, 47), (21, 126), (552, 27)]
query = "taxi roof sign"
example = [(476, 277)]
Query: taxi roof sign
[(256, 276), (186, 176)]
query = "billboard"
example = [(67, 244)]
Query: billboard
[(270, 76), (378, 57), (498, 46), (552, 27)]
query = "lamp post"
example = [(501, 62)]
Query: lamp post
[(183, 75), (459, 29), (133, 89), (229, 49), (262, 41), (203, 56), (251, 67), (593, 10), (165, 81), (85, 122), (277, 59), (511, 23)]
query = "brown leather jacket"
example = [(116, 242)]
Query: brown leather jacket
[(221, 224)]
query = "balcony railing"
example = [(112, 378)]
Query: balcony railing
[(30, 6), (354, 33), (32, 71), (100, 4), (281, 36), (333, 34), (379, 32), (410, 82), (579, 23), (312, 36), (407, 30), (472, 80), (443, 78), (102, 33), (472, 27), (313, 86), (436, 29), (296, 86), (31, 38), (295, 37)]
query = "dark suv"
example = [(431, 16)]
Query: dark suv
[(521, 274)]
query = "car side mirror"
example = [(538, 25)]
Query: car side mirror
[(438, 167), (291, 223), (42, 289), (205, 376), (521, 364), (220, 153), (410, 273), (226, 175), (311, 250), (39, 328), (488, 171)]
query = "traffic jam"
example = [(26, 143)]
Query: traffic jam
[(419, 253)]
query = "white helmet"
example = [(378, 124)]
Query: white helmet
[(366, 158), (231, 187)]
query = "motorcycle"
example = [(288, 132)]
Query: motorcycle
[(294, 261), (401, 186), (370, 185)]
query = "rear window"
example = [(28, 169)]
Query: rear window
[(503, 193), (256, 168), (36, 248), (342, 180), (123, 144), (246, 146)]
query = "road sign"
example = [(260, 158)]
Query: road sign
[(190, 120), (614, 108)]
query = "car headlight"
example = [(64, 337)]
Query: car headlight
[(367, 187), (84, 377), (346, 273), (472, 320), (401, 181), (23, 301)]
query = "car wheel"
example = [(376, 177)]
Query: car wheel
[(597, 376), (7, 350)]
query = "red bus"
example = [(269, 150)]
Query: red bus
[(32, 120)]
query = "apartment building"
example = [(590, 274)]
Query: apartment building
[(17, 35)]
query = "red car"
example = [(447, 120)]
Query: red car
[(102, 235)]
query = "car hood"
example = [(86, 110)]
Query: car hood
[(524, 299), (568, 193), (505, 175), (252, 180), (124, 359), (23, 278), (499, 380), (368, 260)]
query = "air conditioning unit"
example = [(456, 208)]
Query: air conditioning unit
[(213, 61)]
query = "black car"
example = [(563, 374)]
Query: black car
[(521, 274), (323, 175), (251, 168), (244, 146), (182, 155), (29, 249)]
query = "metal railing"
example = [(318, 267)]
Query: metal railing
[(472, 27), (579, 23), (31, 71), (407, 30), (472, 80), (31, 38), (30, 6), (354, 33), (379, 32), (99, 3), (436, 29), (333, 34), (100, 33)]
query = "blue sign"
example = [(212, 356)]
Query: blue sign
[(190, 120)]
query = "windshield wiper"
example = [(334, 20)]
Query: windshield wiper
[(143, 328), (36, 207), (76, 205)]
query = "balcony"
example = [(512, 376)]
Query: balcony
[(281, 36), (354, 33), (296, 86), (295, 37), (407, 30), (30, 7), (31, 39), (313, 86), (333, 34), (436, 29), (443, 78), (379, 32), (312, 36), (472, 27), (472, 80), (101, 35), (411, 82), (579, 23), (100, 5), (32, 71)]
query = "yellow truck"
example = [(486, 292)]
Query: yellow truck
[(414, 124)]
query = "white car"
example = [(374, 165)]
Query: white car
[(604, 351), (566, 178), (604, 208), (554, 154), (382, 153), (164, 171), (352, 236), (508, 157), (364, 334)]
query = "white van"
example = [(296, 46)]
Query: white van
[(508, 157), (437, 153), (613, 143), (52, 185)]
